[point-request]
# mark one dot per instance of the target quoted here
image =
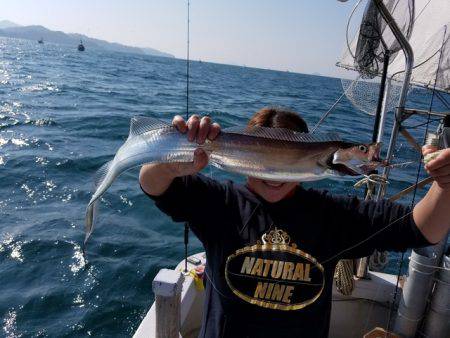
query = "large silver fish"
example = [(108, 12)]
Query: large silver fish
[(266, 153)]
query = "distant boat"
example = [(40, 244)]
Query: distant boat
[(81, 46), (41, 40)]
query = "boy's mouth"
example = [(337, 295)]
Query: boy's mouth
[(272, 184)]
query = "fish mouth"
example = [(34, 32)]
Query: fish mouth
[(370, 167), (346, 170), (376, 157), (340, 168), (375, 161)]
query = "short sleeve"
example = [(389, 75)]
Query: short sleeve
[(363, 226), (196, 199)]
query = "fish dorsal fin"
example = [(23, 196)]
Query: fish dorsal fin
[(142, 124), (283, 134)]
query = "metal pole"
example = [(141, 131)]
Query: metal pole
[(376, 125), (409, 62), (438, 318), (415, 291), (387, 92)]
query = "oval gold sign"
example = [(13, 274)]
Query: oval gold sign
[(276, 276)]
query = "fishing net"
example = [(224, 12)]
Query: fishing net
[(366, 55), (363, 94), (375, 38)]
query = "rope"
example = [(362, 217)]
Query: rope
[(343, 277), (378, 260), (435, 267), (432, 156), (343, 274), (370, 181)]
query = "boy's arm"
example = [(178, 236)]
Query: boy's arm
[(432, 213)]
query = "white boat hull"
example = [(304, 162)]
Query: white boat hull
[(352, 316)]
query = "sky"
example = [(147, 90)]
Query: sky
[(306, 36)]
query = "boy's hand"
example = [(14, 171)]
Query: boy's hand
[(438, 167), (197, 130)]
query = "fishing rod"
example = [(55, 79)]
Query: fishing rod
[(186, 225)]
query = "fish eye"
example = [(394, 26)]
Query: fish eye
[(363, 148)]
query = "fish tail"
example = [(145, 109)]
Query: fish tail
[(99, 187), (105, 176), (89, 221)]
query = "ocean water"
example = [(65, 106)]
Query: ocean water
[(62, 115)]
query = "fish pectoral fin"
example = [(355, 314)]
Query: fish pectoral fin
[(326, 161)]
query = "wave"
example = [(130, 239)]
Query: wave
[(13, 122), (10, 324), (40, 87), (17, 140)]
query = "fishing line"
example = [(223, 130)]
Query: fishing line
[(442, 98), (324, 116), (366, 239), (214, 286), (400, 165), (424, 123), (186, 225), (187, 60)]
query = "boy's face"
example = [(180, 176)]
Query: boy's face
[(271, 191)]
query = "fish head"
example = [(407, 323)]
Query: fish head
[(359, 159)]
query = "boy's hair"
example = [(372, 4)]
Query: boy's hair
[(274, 117)]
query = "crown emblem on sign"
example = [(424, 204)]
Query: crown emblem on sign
[(277, 236)]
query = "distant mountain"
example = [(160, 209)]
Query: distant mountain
[(7, 24), (37, 32), (152, 51)]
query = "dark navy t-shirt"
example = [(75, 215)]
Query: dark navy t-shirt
[(270, 266)]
